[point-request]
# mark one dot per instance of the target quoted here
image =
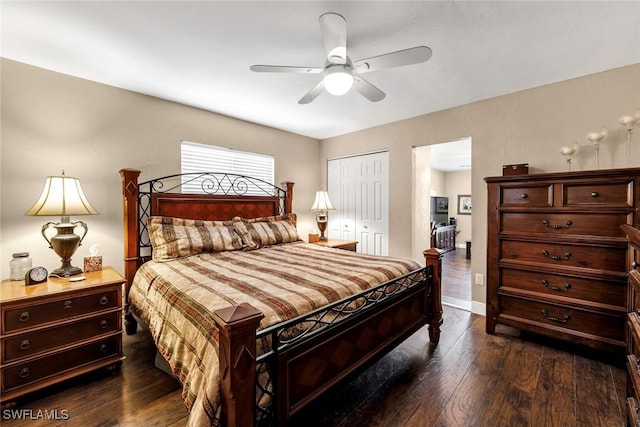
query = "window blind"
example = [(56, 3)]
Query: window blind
[(196, 158)]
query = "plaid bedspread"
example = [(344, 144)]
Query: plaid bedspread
[(176, 299)]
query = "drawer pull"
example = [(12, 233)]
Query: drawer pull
[(104, 324), (566, 256), (104, 348), (104, 300), (595, 194), (24, 316), (24, 372), (564, 319), (67, 304), (524, 196), (547, 224), (25, 344), (565, 288)]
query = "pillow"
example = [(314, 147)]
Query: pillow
[(177, 237), (266, 231)]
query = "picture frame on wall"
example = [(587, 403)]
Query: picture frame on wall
[(442, 205), (464, 204)]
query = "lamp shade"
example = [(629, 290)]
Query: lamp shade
[(61, 196), (322, 202)]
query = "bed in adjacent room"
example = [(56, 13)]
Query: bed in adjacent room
[(254, 322)]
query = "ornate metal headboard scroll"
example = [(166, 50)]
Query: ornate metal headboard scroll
[(206, 195)]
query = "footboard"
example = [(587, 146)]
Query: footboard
[(308, 356)]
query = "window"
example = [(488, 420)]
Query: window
[(208, 158)]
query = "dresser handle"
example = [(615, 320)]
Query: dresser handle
[(567, 255), (25, 344), (104, 324), (24, 316), (565, 319), (67, 304), (547, 224), (104, 348), (546, 284), (104, 300), (24, 372), (524, 195), (595, 194)]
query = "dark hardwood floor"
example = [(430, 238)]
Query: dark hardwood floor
[(469, 379), (456, 278)]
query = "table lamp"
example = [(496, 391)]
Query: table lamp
[(322, 204), (63, 196)]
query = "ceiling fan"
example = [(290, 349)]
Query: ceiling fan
[(340, 73)]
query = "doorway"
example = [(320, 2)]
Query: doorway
[(442, 172)]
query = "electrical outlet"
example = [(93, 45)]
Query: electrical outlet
[(479, 279)]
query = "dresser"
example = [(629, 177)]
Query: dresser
[(557, 257), (348, 245), (633, 327), (57, 330)]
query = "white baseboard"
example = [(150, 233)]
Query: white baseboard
[(479, 308)]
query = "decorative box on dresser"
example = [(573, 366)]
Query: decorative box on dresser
[(557, 257), (57, 330), (633, 327)]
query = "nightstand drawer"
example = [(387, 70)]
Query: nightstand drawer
[(64, 308), (23, 374), (29, 344)]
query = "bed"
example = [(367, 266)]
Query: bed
[(264, 323)]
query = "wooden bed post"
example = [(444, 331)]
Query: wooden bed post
[(237, 343), (433, 257), (288, 201), (131, 249)]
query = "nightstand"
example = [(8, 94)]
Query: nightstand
[(57, 330), (349, 245)]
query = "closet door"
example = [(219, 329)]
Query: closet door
[(341, 177), (372, 203), (359, 190)]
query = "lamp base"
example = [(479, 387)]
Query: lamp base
[(321, 220), (66, 270)]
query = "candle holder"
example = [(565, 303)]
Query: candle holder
[(596, 139), (568, 152), (629, 122)]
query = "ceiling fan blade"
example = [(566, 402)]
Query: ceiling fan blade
[(285, 69), (414, 55), (334, 34), (313, 93), (367, 90)]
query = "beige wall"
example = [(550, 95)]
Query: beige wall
[(459, 183), (523, 127), (52, 122)]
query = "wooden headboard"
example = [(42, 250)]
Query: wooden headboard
[(219, 197)]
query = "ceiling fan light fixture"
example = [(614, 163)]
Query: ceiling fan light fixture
[(338, 79)]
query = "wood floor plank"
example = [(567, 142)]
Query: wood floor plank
[(596, 396), (554, 399)]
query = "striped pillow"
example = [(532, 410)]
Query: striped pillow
[(267, 231), (177, 237)]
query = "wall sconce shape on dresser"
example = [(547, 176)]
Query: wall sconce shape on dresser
[(629, 121), (63, 196), (596, 138)]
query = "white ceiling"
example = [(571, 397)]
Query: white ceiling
[(199, 53)]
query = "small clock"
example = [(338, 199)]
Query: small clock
[(36, 275)]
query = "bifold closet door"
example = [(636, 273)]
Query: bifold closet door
[(358, 187)]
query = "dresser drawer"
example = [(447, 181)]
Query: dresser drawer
[(566, 255), (23, 374), (565, 317), (37, 314), (29, 344), (527, 195), (554, 224), (606, 193), (597, 291)]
